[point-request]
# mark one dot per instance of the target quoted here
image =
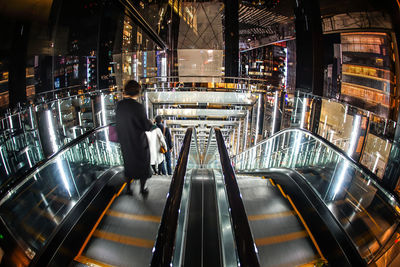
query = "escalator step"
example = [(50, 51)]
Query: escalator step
[(119, 254), (280, 237), (271, 240), (126, 240), (126, 234), (83, 261), (271, 215)]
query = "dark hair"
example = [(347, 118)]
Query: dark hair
[(132, 88), (158, 119)]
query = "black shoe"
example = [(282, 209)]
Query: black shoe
[(144, 191), (129, 192)]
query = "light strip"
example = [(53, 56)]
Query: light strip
[(258, 119), (238, 139), (275, 111), (11, 123), (340, 180), (4, 162), (376, 162), (245, 131), (354, 135), (303, 113), (103, 110), (59, 111), (147, 104), (51, 131), (31, 117), (63, 176)]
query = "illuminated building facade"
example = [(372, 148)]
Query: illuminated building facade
[(368, 71), (266, 62)]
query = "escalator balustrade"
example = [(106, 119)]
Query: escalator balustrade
[(72, 211), (36, 207), (347, 191), (313, 207)]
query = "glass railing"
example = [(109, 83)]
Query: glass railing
[(368, 213), (365, 136), (35, 133), (209, 83), (36, 206)]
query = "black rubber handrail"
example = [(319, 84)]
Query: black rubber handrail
[(165, 242), (244, 240), (14, 181)]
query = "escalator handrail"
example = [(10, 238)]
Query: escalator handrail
[(13, 182), (244, 240), (375, 179), (165, 241), (210, 135), (197, 146)]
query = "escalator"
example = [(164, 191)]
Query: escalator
[(291, 200), (309, 204), (72, 210)]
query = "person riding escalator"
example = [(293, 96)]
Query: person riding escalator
[(132, 124)]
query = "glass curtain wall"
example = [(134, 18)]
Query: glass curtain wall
[(368, 74), (139, 57), (67, 54), (76, 45)]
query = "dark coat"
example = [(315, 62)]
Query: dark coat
[(167, 135), (131, 124)]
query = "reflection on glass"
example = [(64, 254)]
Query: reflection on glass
[(365, 210), (335, 124), (354, 135), (338, 123), (39, 204), (376, 154), (51, 130), (200, 62), (276, 96), (36, 132), (367, 70)]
